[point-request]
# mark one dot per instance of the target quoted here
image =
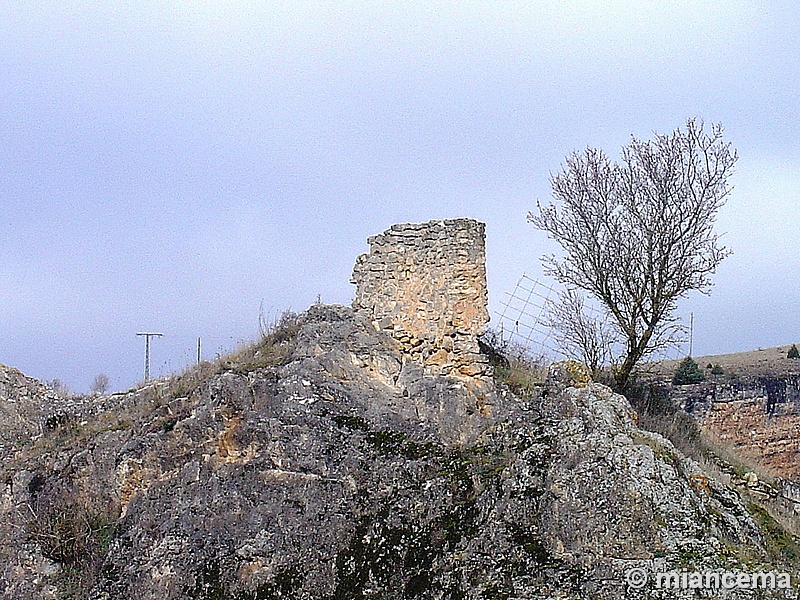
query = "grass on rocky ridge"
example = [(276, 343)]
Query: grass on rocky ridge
[(273, 348), (514, 365)]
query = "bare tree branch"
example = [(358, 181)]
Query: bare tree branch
[(639, 234), (578, 334)]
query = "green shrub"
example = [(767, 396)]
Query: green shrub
[(688, 372), (793, 352), (717, 370)]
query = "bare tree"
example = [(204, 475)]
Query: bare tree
[(639, 234), (59, 387), (577, 333), (101, 383)]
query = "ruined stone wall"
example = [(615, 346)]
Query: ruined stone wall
[(426, 285)]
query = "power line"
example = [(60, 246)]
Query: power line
[(147, 337)]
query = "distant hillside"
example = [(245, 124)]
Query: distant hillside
[(752, 363)]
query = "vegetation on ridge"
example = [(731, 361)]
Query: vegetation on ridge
[(274, 472)]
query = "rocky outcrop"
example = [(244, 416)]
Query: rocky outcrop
[(325, 465), (425, 284), (27, 408), (356, 454)]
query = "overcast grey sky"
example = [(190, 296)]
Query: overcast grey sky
[(172, 166)]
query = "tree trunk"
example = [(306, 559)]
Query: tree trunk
[(636, 351)]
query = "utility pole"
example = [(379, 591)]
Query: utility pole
[(198, 351), (691, 333), (147, 337)]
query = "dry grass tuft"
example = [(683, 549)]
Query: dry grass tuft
[(514, 365), (273, 348), (72, 528)]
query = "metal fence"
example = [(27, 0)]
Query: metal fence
[(522, 319)]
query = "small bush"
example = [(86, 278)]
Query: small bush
[(59, 387), (688, 372), (492, 346), (793, 352), (285, 329), (717, 370), (101, 383), (273, 349)]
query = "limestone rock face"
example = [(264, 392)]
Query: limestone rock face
[(339, 470), (618, 497), (25, 406), (759, 415), (425, 284)]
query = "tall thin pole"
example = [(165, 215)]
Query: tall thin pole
[(691, 333), (198, 351), (147, 337)]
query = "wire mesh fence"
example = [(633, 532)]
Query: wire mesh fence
[(523, 320)]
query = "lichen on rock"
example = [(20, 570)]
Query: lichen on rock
[(569, 373)]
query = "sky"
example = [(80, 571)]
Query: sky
[(187, 167)]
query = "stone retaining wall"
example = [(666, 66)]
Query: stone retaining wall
[(758, 416)]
